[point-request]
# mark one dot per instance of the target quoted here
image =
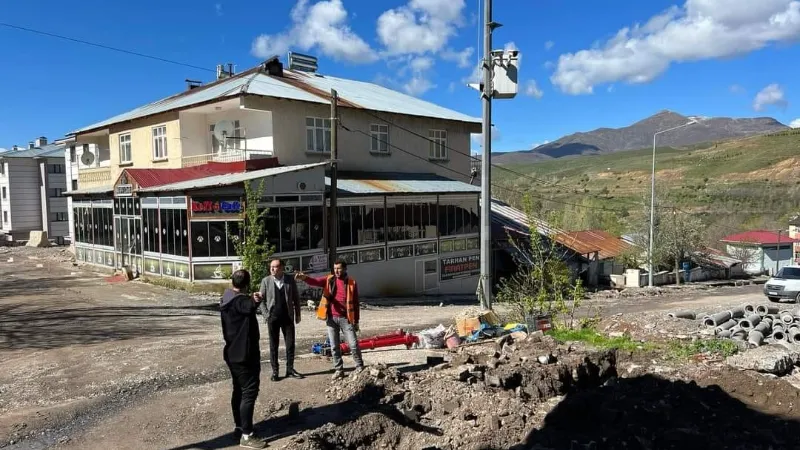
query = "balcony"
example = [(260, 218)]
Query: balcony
[(228, 156)]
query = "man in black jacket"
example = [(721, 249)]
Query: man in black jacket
[(242, 354)]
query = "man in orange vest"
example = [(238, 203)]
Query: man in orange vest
[(339, 309)]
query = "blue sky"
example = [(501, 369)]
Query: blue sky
[(585, 64)]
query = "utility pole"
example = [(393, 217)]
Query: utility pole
[(486, 160), (778, 254), (333, 212)]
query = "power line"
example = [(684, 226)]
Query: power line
[(106, 47), (505, 169), (466, 175)]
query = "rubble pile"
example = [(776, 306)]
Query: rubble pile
[(487, 395), (755, 325)]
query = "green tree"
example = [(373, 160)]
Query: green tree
[(677, 235), (543, 283), (251, 244)]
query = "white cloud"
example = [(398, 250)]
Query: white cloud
[(451, 87), (548, 45), (770, 95), (795, 123), (538, 144), (532, 89), (610, 88), (321, 26), (700, 30), (737, 89), (420, 26), (463, 58), (419, 83), (218, 8)]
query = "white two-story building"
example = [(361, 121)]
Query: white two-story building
[(32, 186), (160, 187)]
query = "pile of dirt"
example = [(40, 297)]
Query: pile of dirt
[(483, 398)]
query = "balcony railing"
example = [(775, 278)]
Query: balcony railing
[(94, 176), (225, 157)]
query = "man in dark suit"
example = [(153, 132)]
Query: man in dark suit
[(281, 310)]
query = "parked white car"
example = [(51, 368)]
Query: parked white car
[(784, 285)]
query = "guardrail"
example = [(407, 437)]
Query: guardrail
[(228, 156)]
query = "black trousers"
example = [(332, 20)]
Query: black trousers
[(246, 379), (276, 326)]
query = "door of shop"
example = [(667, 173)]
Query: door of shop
[(427, 275), (128, 240)]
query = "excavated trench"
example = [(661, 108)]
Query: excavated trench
[(539, 395)]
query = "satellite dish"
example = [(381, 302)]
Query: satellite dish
[(223, 129), (87, 158)]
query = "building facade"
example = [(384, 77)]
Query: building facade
[(761, 251), (160, 188), (32, 187)]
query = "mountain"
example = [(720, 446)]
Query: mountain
[(640, 135)]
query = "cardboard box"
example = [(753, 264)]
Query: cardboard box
[(467, 326)]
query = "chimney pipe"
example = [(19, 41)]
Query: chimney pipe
[(220, 71), (15, 148), (30, 144), (230, 69), (41, 141)]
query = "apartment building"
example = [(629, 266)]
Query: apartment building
[(32, 187), (159, 188)]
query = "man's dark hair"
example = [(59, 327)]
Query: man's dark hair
[(280, 261), (341, 262), (241, 279)]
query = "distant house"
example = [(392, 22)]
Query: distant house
[(609, 250), (32, 184), (794, 233), (761, 251)]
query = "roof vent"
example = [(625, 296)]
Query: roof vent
[(273, 67), (222, 73), (41, 141), (192, 84), (302, 63)]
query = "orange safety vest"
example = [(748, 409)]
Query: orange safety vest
[(351, 304)]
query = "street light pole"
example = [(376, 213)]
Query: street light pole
[(653, 201)]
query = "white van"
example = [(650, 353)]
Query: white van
[(784, 285)]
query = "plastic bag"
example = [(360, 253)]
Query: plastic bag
[(432, 337)]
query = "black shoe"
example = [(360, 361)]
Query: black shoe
[(274, 376), (294, 374)]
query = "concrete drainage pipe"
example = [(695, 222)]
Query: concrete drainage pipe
[(750, 322)]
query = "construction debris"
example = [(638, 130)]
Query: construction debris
[(479, 396)]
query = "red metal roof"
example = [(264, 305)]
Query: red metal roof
[(146, 178), (761, 237), (606, 244)]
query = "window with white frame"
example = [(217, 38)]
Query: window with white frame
[(318, 135), (236, 141), (5, 193), (380, 138), (125, 147), (160, 142), (73, 155), (438, 144), (5, 216), (61, 217)]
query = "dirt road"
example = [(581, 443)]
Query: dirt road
[(92, 364)]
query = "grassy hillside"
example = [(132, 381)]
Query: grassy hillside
[(734, 185)]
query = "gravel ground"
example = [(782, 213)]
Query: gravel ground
[(85, 360)]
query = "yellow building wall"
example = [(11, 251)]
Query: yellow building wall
[(141, 132)]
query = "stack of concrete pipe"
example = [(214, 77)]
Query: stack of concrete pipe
[(756, 325)]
